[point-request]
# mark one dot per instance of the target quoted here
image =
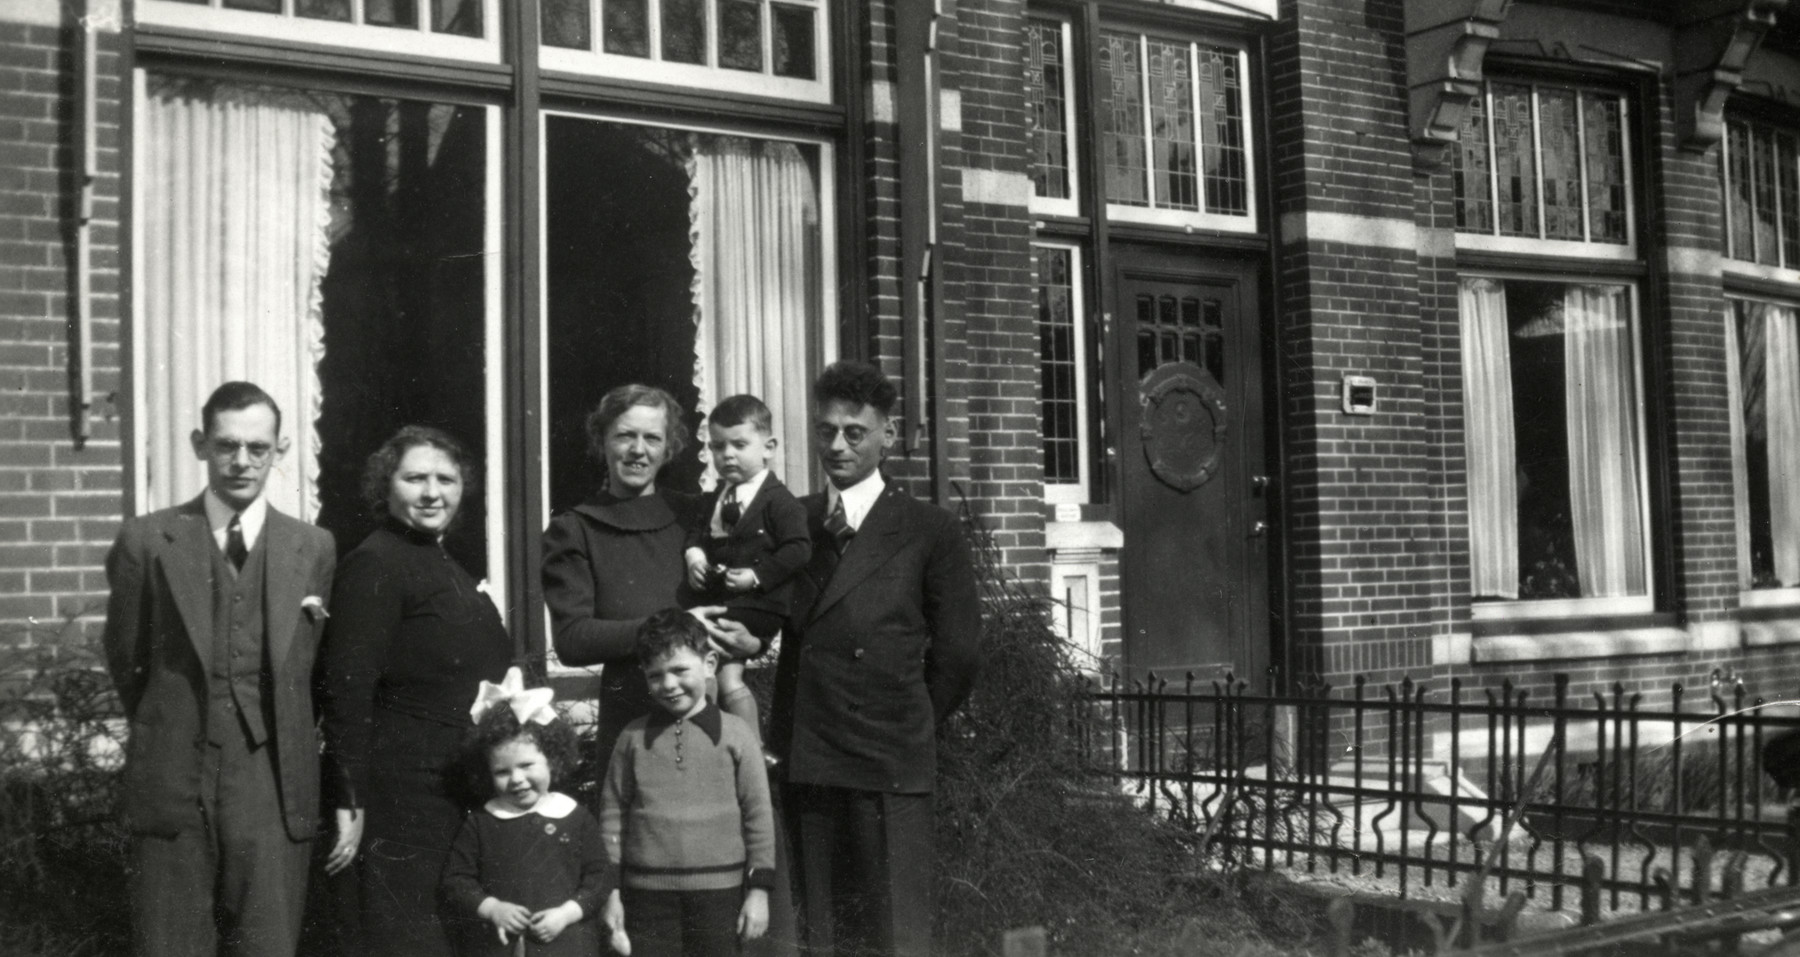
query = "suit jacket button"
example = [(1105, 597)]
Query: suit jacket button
[(854, 707), (859, 652)]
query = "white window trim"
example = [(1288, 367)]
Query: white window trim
[(1733, 262), (285, 27), (1202, 218), (828, 280), (1081, 491), (1769, 597), (708, 76), (1063, 616), (1490, 610), (1493, 241), (1739, 267), (1070, 205), (1788, 595)]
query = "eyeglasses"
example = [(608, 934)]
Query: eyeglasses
[(854, 435), (226, 450)]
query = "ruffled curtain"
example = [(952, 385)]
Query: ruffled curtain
[(1488, 430), (1781, 350), (1605, 503), (1740, 463), (235, 213), (754, 230)]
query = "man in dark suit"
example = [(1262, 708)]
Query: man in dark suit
[(882, 646), (216, 612)]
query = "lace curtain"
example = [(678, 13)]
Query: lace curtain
[(1605, 503), (1740, 462), (754, 233), (234, 215), (1488, 421)]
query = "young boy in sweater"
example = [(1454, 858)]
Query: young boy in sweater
[(685, 813)]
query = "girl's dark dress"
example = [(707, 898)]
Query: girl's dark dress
[(534, 860), (410, 640)]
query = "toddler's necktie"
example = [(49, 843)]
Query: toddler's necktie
[(731, 509)]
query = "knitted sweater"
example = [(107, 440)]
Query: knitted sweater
[(686, 804)]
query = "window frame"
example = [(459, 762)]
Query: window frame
[(1080, 492), (1500, 610), (1070, 205), (1154, 216), (287, 27), (1063, 616), (1493, 242), (1782, 596), (596, 62)]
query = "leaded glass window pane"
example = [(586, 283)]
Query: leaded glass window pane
[(565, 23), (1604, 128), (391, 13), (627, 27), (1060, 378), (1762, 159), (1514, 161), (793, 39), (1047, 109), (1172, 125), (684, 31), (1122, 76), (1222, 130), (1788, 189), (1561, 139), (323, 10), (260, 6), (740, 35), (1471, 178), (456, 17), (1739, 200)]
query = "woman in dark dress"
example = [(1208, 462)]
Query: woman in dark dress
[(411, 638)]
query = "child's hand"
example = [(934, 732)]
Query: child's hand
[(697, 568), (613, 916), (740, 579), (753, 919), (551, 921), (505, 917)]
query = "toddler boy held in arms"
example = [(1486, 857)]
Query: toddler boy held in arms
[(754, 541), (685, 813)]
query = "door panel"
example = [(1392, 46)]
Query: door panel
[(1188, 384)]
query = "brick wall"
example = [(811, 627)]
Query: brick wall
[(60, 500)]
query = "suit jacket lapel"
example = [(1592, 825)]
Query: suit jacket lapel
[(284, 583), (188, 567), (873, 545), (757, 504)]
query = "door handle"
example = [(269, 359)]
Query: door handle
[(1259, 482), (1257, 528)]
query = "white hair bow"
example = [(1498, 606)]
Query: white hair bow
[(528, 704)]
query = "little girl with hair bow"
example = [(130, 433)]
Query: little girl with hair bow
[(527, 873)]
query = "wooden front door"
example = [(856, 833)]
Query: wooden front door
[(1188, 383)]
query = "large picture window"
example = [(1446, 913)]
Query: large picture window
[(339, 251), (1764, 341), (1541, 163), (1554, 433)]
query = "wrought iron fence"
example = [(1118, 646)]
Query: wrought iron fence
[(1436, 784)]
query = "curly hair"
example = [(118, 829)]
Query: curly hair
[(667, 630), (857, 383), (622, 400), (500, 727), (378, 472)]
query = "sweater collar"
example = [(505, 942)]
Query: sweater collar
[(707, 720), (555, 806), (644, 513)]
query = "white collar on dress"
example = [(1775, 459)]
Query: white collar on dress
[(555, 805)]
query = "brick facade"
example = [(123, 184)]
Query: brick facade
[(1361, 277)]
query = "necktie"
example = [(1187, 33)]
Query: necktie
[(730, 510), (234, 543), (839, 526)]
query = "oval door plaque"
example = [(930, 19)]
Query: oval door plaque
[(1183, 424)]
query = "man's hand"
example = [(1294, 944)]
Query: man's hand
[(731, 638), (506, 917), (740, 580), (753, 919), (349, 836)]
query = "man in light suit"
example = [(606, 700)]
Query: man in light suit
[(215, 615), (881, 647)]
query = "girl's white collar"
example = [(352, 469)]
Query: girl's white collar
[(555, 805)]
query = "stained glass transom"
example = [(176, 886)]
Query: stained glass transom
[(1760, 167), (1175, 132), (1047, 108)]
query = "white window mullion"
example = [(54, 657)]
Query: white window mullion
[(1149, 134), (1493, 151), (1537, 159), (1071, 150), (1199, 138), (1581, 161)]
